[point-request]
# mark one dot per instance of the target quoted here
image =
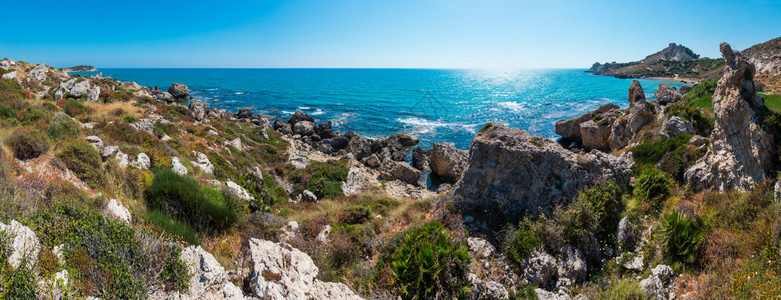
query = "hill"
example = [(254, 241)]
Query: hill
[(674, 62), (767, 58)]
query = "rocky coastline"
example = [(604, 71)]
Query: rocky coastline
[(120, 191)]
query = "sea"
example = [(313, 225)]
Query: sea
[(434, 105)]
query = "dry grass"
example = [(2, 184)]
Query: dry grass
[(112, 111)]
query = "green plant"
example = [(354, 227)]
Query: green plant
[(625, 289), (27, 143), (430, 263), (84, 160), (700, 95), (175, 271), (683, 235), (606, 202), (21, 284), (354, 215), (63, 125), (324, 179), (74, 108), (176, 228), (183, 199), (520, 244), (651, 189), (486, 127), (31, 115)]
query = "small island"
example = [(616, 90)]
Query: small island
[(81, 68)]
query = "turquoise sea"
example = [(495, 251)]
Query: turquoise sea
[(435, 105)]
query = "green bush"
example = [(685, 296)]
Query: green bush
[(7, 112), (324, 179), (430, 263), (63, 125), (31, 115), (21, 285), (175, 271), (700, 95), (519, 245), (671, 155), (355, 215), (651, 190), (606, 201), (84, 160), (27, 143), (625, 289), (170, 225), (74, 108), (701, 122), (683, 236), (103, 252), (183, 199)]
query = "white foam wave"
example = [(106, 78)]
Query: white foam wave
[(317, 112), (304, 107), (427, 126), (512, 105)]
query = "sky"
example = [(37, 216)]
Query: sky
[(484, 34)]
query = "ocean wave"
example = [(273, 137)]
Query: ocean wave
[(241, 93), (304, 107), (427, 126), (317, 112), (512, 105)]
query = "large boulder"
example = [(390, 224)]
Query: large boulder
[(392, 170), (179, 91), (208, 279), (570, 130), (79, 89), (298, 117), (657, 284), (674, 126), (447, 161), (24, 244), (571, 266), (742, 153), (199, 109), (637, 115), (304, 128), (538, 269), (666, 94), (280, 271), (511, 174)]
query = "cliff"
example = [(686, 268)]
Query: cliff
[(673, 61)]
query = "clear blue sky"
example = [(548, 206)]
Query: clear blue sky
[(366, 33)]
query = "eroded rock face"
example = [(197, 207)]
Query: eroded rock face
[(208, 279), (570, 128), (637, 115), (392, 170), (512, 174), (179, 91), (283, 272), (24, 244), (114, 209), (741, 153), (666, 94), (447, 161), (657, 284)]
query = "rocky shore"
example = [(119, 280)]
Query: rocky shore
[(119, 191)]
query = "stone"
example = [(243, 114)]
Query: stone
[(298, 117), (636, 116), (202, 162), (777, 191), (655, 286), (355, 183), (420, 158), (393, 170), (323, 235), (142, 162), (235, 143), (674, 126), (360, 147), (448, 162), (238, 191), (571, 267), (538, 269), (165, 97), (114, 209), (208, 279), (93, 93), (9, 75), (307, 196), (698, 141), (511, 174), (627, 236), (372, 161), (198, 108), (179, 91), (178, 167), (39, 73), (108, 151), (95, 141), (280, 271), (145, 124), (304, 128), (633, 264), (122, 159), (325, 130), (282, 126), (684, 89), (666, 94), (299, 161), (24, 244), (481, 247), (546, 295), (741, 153), (244, 114), (79, 89), (403, 139), (487, 290), (596, 135), (570, 130)]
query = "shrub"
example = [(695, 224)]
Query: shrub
[(27, 143), (183, 199), (699, 120), (175, 272), (624, 289), (700, 95), (74, 108), (63, 125), (324, 179), (48, 262), (177, 229), (355, 215), (22, 284), (430, 263), (84, 160), (31, 115), (683, 235), (519, 245), (106, 254), (607, 203), (651, 189)]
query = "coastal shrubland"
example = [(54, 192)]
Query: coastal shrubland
[(82, 158), (27, 143)]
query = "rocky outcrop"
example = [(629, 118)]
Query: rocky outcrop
[(656, 286), (179, 91), (511, 174), (114, 209), (24, 244), (282, 272), (237, 191), (447, 161), (741, 153), (608, 128), (178, 167), (766, 57), (202, 162), (674, 126), (637, 115), (393, 170), (666, 94), (208, 279)]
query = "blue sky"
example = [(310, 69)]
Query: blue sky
[(366, 33)]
